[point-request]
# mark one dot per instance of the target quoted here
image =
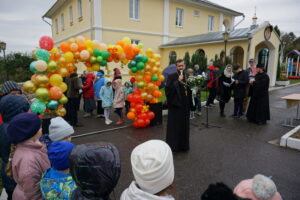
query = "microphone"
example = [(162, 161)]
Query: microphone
[(181, 72)]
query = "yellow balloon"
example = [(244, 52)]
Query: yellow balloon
[(89, 69), (61, 111), (54, 50), (161, 78), (55, 80), (42, 80), (139, 77), (96, 67), (154, 70), (63, 72), (126, 40), (71, 40), (69, 56), (88, 44), (149, 53), (63, 87), (96, 44), (42, 94), (29, 87), (80, 39), (63, 99)]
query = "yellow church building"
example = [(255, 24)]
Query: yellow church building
[(167, 26)]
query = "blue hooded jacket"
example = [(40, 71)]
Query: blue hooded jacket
[(98, 84), (106, 94)]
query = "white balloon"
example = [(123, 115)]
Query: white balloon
[(41, 65), (84, 55)]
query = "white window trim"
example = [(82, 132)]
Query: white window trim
[(212, 24), (62, 21), (71, 14), (134, 14), (79, 8), (182, 17)]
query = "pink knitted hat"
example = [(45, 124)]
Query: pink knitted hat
[(258, 188)]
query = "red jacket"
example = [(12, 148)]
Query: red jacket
[(213, 77), (88, 88)]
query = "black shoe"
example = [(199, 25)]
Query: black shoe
[(222, 115)]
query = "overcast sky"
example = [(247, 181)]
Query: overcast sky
[(21, 24)]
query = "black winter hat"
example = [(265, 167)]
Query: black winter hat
[(96, 170), (11, 105)]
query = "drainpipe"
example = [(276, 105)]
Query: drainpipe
[(43, 18), (239, 22)]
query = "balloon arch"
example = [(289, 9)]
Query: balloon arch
[(52, 65)]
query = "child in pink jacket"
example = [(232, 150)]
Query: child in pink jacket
[(29, 156), (118, 101)]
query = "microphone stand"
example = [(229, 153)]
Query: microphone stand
[(207, 125)]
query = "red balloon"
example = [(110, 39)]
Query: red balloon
[(139, 107), (143, 116), (151, 115), (129, 97), (132, 105), (136, 98), (136, 91), (135, 124), (140, 122), (46, 43), (147, 122), (132, 80)]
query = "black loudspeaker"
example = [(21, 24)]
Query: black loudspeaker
[(157, 109)]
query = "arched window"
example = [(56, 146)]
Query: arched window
[(172, 57)]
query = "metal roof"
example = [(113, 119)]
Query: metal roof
[(242, 33), (209, 3)]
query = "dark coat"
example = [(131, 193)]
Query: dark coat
[(178, 114), (259, 108), (223, 91), (74, 84), (243, 81), (96, 170)]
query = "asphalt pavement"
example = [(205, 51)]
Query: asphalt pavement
[(235, 151)]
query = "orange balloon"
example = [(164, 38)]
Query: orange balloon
[(121, 43), (81, 47), (147, 78), (130, 115), (65, 47), (55, 93), (157, 93)]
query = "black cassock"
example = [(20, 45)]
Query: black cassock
[(178, 100), (259, 109)]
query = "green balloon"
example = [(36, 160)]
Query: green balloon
[(105, 54), (144, 59), (138, 58), (99, 59), (140, 65), (32, 67), (52, 105), (43, 54), (133, 69), (154, 78), (97, 52), (38, 107), (52, 66), (103, 63), (132, 64)]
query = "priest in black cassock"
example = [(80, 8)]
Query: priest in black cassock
[(178, 99), (259, 109)]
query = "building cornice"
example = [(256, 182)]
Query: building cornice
[(209, 6), (202, 43)]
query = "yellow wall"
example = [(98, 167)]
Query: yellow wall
[(191, 25), (115, 14), (77, 26)]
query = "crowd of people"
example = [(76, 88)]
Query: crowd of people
[(98, 93), (38, 164)]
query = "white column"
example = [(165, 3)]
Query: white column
[(232, 23), (221, 19), (98, 19), (166, 21)]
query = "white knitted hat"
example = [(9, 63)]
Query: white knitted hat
[(59, 129), (152, 166)]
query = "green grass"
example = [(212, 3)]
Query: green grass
[(294, 81)]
